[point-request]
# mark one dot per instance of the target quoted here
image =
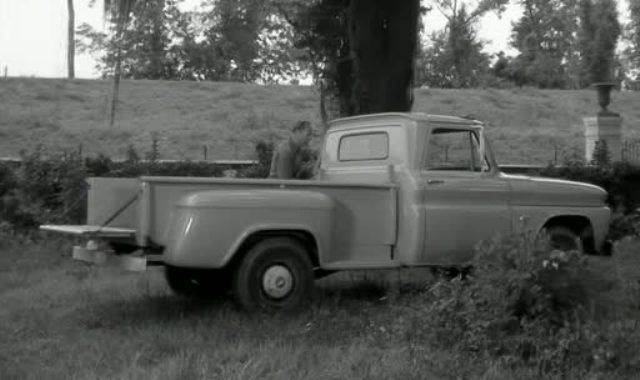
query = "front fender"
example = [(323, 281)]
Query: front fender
[(533, 219), (207, 228)]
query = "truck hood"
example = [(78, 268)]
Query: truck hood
[(537, 191)]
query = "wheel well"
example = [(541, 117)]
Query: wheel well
[(303, 237), (580, 225)]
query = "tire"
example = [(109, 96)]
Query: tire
[(200, 283), (564, 239), (275, 275)]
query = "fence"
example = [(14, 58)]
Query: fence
[(631, 151)]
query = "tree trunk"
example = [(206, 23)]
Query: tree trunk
[(116, 85), (383, 36), (71, 40)]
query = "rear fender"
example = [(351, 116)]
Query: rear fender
[(256, 233), (208, 229)]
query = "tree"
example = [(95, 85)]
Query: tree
[(119, 12), (597, 40), (361, 52), (455, 58), (321, 35), (632, 35), (383, 38), (71, 40), (228, 40), (545, 38)]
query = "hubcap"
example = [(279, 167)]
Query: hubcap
[(277, 281)]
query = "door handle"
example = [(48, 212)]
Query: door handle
[(435, 182)]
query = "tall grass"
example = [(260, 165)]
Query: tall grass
[(229, 117), (62, 319)]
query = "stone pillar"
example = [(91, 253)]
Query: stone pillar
[(607, 128)]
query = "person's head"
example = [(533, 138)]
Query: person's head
[(301, 132)]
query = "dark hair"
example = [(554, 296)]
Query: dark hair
[(299, 126)]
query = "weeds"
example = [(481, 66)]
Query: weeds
[(63, 319), (548, 311)]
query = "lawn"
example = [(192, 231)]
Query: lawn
[(526, 126), (62, 320)]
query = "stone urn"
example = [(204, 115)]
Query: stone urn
[(605, 127), (604, 97)]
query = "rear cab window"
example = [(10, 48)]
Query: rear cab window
[(364, 147)]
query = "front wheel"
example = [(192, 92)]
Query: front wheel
[(276, 274), (563, 238)]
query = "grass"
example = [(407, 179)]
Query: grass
[(63, 320), (524, 124)]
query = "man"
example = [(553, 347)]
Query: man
[(285, 157)]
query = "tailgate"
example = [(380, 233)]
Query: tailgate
[(92, 232)]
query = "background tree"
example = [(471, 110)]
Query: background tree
[(632, 35), (454, 58), (119, 13), (322, 37), (71, 40), (361, 52), (230, 40), (383, 38), (545, 39), (598, 38)]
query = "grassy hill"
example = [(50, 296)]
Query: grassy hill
[(526, 126)]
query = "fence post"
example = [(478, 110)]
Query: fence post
[(204, 152)]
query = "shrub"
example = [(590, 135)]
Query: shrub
[(546, 309)]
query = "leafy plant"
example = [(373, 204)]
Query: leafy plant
[(526, 304)]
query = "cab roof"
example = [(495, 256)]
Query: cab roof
[(348, 122)]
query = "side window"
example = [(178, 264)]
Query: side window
[(451, 149), (364, 146)]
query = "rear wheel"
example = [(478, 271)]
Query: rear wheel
[(197, 282), (276, 274)]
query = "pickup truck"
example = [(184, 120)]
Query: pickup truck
[(392, 190)]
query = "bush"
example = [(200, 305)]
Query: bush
[(43, 188), (545, 309), (51, 188)]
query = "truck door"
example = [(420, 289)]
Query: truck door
[(464, 202)]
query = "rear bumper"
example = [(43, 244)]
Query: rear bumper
[(93, 253)]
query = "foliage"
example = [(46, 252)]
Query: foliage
[(527, 305), (43, 189), (624, 225), (230, 40), (545, 39), (51, 188), (632, 36), (361, 52), (597, 40), (263, 153), (321, 34), (455, 59)]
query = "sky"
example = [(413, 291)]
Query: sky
[(33, 34)]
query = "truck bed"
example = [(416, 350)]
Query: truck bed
[(365, 215)]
